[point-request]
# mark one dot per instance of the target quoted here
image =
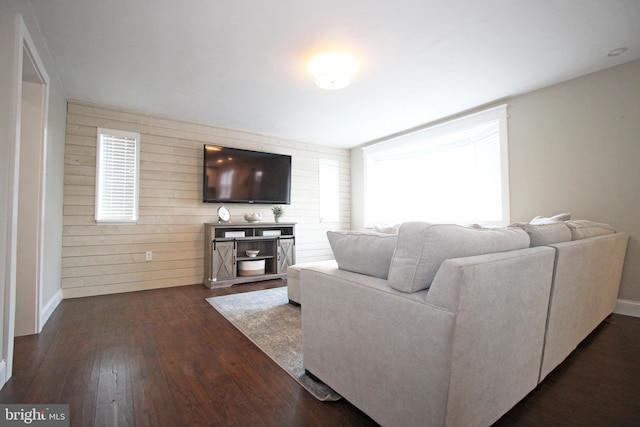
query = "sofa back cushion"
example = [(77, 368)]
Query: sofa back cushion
[(422, 247), (545, 233), (367, 253), (583, 228)]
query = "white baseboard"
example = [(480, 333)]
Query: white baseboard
[(628, 307), (3, 373), (48, 309)]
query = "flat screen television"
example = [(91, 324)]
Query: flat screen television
[(232, 175)]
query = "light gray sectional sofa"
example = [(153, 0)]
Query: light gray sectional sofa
[(444, 325)]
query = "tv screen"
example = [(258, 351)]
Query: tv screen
[(232, 175)]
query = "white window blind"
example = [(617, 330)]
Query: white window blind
[(117, 176), (329, 190), (456, 172)]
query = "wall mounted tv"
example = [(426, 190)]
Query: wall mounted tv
[(231, 175)]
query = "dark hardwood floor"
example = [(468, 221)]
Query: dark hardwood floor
[(166, 358), (598, 385)]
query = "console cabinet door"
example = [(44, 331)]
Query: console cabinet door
[(223, 260), (286, 254)]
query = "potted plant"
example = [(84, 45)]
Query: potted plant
[(277, 212)]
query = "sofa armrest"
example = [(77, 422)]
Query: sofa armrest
[(501, 301), (385, 351)]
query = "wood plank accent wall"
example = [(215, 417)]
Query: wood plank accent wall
[(110, 258)]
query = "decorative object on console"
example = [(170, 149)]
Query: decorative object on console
[(223, 214), (253, 216), (251, 268), (234, 233), (252, 253), (278, 212)]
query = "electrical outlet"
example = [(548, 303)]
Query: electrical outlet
[(148, 256)]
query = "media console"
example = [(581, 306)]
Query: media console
[(225, 247)]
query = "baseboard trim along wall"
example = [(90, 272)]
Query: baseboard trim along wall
[(49, 308), (628, 308)]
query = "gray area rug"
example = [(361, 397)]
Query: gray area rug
[(275, 326)]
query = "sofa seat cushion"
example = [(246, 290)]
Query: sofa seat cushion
[(422, 247), (583, 228), (367, 253), (545, 233)]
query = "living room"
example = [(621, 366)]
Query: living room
[(573, 147)]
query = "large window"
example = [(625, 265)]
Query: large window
[(117, 176), (455, 172)]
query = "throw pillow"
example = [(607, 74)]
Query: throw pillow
[(367, 253), (583, 228), (386, 228), (545, 234), (422, 247), (551, 220)]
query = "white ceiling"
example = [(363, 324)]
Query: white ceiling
[(242, 63)]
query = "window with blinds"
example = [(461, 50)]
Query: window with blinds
[(117, 159), (329, 190), (455, 172)]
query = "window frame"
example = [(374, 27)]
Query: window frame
[(429, 134), (99, 215)]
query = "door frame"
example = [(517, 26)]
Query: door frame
[(25, 50)]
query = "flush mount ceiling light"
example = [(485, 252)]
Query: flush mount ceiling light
[(333, 70)]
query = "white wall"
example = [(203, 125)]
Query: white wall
[(55, 132), (54, 185), (573, 147)]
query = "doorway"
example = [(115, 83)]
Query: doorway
[(27, 186), (30, 197)]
